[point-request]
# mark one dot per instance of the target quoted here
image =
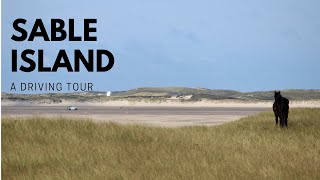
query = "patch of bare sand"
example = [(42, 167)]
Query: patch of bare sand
[(149, 120), (167, 120)]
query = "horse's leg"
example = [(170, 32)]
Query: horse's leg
[(276, 119), (286, 120), (281, 121)]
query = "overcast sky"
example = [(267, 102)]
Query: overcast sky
[(243, 45)]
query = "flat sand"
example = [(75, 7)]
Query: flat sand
[(168, 116), (165, 114)]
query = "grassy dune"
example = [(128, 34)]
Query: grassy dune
[(251, 148), (158, 95)]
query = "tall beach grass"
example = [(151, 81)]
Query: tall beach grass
[(251, 148)]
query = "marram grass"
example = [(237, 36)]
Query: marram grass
[(251, 148)]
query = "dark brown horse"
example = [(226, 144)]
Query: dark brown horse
[(281, 108)]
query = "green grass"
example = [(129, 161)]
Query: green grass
[(251, 148)]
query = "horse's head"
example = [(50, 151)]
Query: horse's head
[(277, 95)]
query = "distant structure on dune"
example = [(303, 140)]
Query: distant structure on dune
[(109, 93)]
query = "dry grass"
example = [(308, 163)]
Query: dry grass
[(251, 148)]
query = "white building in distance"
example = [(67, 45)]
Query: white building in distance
[(109, 93)]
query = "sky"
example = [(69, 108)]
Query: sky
[(240, 45)]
